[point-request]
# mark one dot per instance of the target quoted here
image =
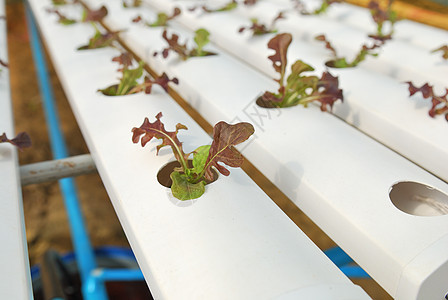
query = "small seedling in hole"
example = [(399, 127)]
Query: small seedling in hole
[(380, 17), (299, 6), (299, 88), (129, 81), (260, 29), (200, 38), (341, 62), (227, 7), (444, 50), (21, 141), (101, 40), (189, 182), (3, 64), (439, 103), (162, 19), (87, 16), (132, 3)]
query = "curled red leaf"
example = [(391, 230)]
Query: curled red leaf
[(439, 103), (21, 141), (147, 131)]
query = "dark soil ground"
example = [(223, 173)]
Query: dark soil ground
[(46, 220)]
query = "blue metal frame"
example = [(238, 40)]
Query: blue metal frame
[(92, 278)]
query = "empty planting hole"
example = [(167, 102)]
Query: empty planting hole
[(163, 176), (418, 199)]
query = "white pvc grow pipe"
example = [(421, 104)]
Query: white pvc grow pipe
[(233, 242), (15, 279), (416, 34), (374, 102), (337, 175)]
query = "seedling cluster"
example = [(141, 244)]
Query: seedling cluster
[(299, 89), (189, 182), (201, 40), (261, 29), (380, 17), (299, 6), (161, 21)]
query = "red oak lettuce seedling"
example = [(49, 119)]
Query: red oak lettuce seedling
[(162, 19), (299, 88), (87, 16), (227, 7), (101, 40), (200, 38), (129, 81), (444, 50), (439, 103), (260, 29), (21, 141), (298, 5), (189, 182), (341, 62), (380, 17)]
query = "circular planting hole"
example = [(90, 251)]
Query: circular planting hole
[(163, 176), (418, 199)]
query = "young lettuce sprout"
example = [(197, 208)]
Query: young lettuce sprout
[(162, 19), (444, 50), (226, 7), (299, 88), (87, 16), (299, 6), (260, 29), (21, 141), (341, 62), (200, 38), (439, 103), (129, 81), (101, 40), (189, 182), (380, 17)]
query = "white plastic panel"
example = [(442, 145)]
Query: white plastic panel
[(374, 102), (15, 280), (232, 243), (337, 175)]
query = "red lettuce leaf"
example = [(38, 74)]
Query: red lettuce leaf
[(95, 15), (21, 141), (439, 103), (328, 91), (147, 131), (225, 136), (280, 44)]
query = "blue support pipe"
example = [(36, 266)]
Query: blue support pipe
[(83, 249), (342, 260)]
